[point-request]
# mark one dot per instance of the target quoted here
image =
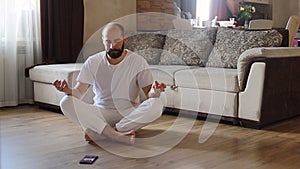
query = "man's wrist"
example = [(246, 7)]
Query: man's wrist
[(154, 93), (69, 92)]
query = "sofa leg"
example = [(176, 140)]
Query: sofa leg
[(250, 124), (48, 107)]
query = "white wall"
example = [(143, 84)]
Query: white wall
[(282, 10), (100, 12)]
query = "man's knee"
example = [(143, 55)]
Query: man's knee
[(156, 106), (66, 101), (67, 104)]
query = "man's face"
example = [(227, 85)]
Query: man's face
[(113, 42)]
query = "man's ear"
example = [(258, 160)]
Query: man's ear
[(124, 39), (102, 39)]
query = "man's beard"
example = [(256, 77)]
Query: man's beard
[(115, 53)]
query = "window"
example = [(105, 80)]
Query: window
[(202, 10)]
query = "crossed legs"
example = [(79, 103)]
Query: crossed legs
[(110, 123)]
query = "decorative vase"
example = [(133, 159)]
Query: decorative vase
[(246, 24)]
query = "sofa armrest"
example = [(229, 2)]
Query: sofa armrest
[(30, 67), (261, 55), (275, 88)]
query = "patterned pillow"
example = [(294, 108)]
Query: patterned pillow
[(188, 47), (148, 45), (231, 43)]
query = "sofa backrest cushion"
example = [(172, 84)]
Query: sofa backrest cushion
[(188, 47), (231, 43), (147, 44)]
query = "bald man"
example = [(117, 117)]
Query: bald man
[(117, 76)]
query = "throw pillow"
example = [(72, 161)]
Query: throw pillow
[(231, 43), (148, 45), (188, 47)]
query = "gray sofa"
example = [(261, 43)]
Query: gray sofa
[(244, 77)]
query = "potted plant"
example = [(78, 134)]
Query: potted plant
[(246, 13)]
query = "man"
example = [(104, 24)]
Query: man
[(116, 75), (233, 7)]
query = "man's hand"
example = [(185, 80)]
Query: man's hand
[(62, 85), (156, 89)]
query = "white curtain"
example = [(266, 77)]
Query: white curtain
[(20, 47)]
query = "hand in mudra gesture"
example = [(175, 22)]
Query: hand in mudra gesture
[(156, 89), (61, 85)]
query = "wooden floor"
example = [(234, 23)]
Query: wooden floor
[(33, 138)]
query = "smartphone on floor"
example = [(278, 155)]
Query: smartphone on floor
[(88, 159)]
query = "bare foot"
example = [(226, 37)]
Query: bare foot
[(87, 138), (91, 136), (122, 137), (126, 137), (130, 134)]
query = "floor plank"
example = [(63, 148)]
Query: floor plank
[(33, 138)]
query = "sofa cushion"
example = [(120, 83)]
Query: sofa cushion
[(218, 79), (188, 47), (165, 73), (231, 43), (149, 45), (49, 73)]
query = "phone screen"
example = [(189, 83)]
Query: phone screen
[(88, 159)]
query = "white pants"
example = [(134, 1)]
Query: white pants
[(96, 118)]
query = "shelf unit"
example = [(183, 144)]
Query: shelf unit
[(263, 8), (298, 37), (258, 1)]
